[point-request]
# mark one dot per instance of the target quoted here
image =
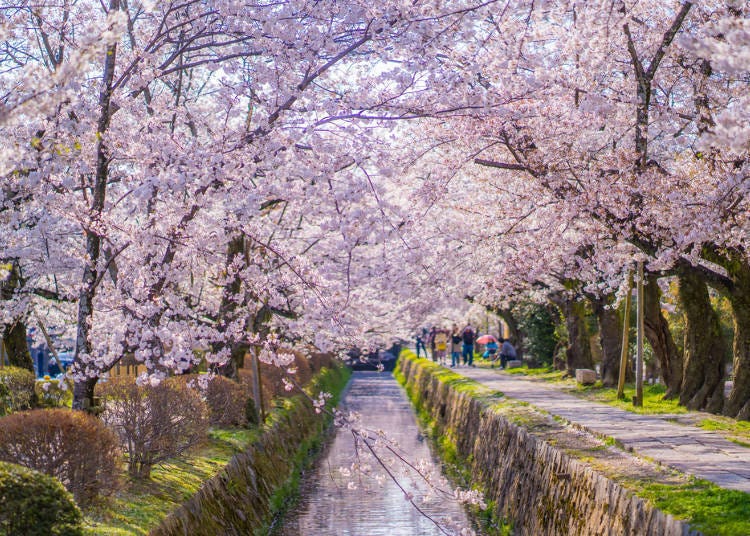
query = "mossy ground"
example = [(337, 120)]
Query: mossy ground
[(708, 508), (140, 505)]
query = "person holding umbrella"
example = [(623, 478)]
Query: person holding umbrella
[(490, 345)]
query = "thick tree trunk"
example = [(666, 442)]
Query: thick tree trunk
[(703, 374), (578, 353), (610, 338), (14, 333), (660, 338), (228, 309), (14, 337), (83, 392), (738, 403)]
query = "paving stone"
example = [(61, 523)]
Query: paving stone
[(685, 447)]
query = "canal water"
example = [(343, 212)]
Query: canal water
[(338, 501)]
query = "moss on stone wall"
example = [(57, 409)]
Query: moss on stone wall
[(536, 486)]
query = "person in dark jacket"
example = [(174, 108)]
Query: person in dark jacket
[(507, 352), (467, 350)]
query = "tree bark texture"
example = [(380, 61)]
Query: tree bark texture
[(610, 338), (738, 403), (14, 337), (82, 375), (14, 333), (660, 338), (578, 353), (703, 374), (228, 308)]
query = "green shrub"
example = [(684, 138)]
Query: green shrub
[(538, 324), (154, 422), (34, 504), (17, 391), (54, 393), (72, 446)]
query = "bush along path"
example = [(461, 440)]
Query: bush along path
[(543, 475)]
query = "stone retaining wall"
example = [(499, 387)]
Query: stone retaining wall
[(239, 500), (538, 488)]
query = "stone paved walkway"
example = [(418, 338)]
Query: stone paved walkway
[(688, 449)]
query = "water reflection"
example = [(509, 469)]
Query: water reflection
[(332, 503)]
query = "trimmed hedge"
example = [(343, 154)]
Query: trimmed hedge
[(72, 446), (16, 389), (34, 504)]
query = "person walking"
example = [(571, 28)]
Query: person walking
[(507, 352), (441, 345), (420, 342), (431, 341), (467, 348), (455, 346)]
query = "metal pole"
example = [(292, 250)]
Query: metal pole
[(625, 338), (638, 400)]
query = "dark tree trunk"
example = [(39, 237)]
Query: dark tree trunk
[(610, 338), (230, 299), (660, 338), (515, 334), (14, 333), (738, 403), (83, 392), (735, 285), (703, 374), (14, 337), (578, 353)]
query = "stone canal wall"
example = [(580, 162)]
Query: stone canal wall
[(538, 488), (245, 496)]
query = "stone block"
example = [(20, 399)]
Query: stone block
[(513, 363), (585, 376)]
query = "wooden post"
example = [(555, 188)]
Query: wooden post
[(625, 338), (638, 399), (257, 394)]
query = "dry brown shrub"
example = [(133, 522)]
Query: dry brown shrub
[(320, 360), (154, 423), (73, 446), (226, 401)]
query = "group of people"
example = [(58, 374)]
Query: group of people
[(460, 345)]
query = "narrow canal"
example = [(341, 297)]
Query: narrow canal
[(336, 502)]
